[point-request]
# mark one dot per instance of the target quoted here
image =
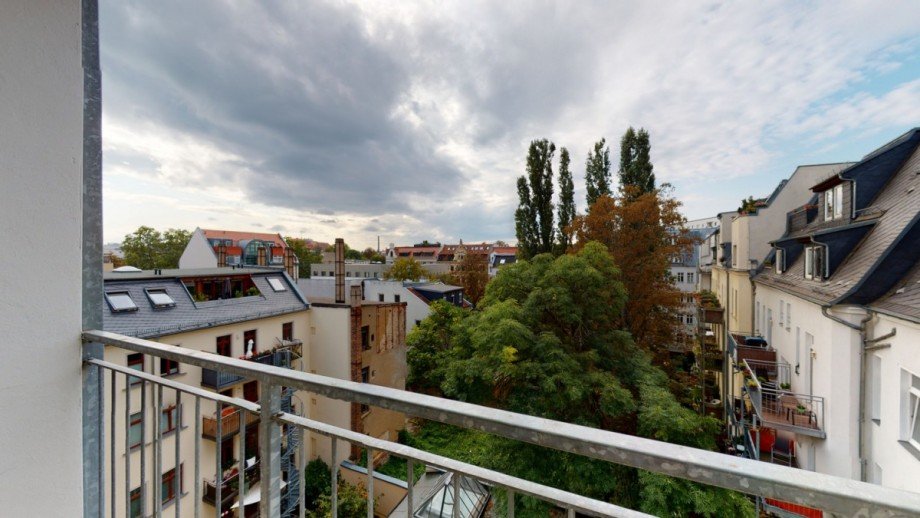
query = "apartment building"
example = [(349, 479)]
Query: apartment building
[(417, 296), (836, 308), (209, 248), (248, 313)]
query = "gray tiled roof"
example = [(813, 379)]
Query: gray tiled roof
[(904, 299), (898, 203), (187, 315)]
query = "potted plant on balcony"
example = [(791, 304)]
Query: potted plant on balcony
[(752, 383), (801, 409)]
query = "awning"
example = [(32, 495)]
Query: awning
[(253, 495)]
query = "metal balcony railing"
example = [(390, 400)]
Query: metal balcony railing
[(230, 423), (218, 380), (778, 407), (832, 494)]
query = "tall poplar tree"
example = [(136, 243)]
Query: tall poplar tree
[(636, 176), (534, 216), (566, 210), (597, 172)]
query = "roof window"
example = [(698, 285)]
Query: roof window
[(276, 284), (160, 299), (120, 302)]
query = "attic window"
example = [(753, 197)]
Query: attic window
[(120, 302), (780, 260), (815, 262), (833, 203), (160, 299), (276, 284)]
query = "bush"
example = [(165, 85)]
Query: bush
[(317, 482)]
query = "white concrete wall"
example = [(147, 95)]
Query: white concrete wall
[(198, 252), (41, 145), (330, 355), (416, 309), (828, 368), (891, 462)]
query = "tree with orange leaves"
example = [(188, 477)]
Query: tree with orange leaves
[(644, 233)]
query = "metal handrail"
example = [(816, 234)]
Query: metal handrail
[(833, 494)]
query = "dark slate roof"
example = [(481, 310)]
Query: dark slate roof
[(188, 315), (878, 260), (873, 172), (503, 259), (904, 299)]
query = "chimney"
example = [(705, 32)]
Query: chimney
[(290, 263), (340, 270), (357, 295), (222, 256), (261, 256)]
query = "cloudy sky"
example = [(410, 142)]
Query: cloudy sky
[(412, 121)]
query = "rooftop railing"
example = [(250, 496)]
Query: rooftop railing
[(837, 495)]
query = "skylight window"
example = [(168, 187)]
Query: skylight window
[(276, 284), (120, 302), (160, 299)]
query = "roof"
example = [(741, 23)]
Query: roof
[(904, 299), (188, 315), (237, 236), (504, 250), (881, 244), (437, 287)]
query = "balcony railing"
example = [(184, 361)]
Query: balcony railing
[(229, 425), (832, 494), (230, 487), (781, 408), (219, 380)]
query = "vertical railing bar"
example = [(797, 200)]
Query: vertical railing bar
[(143, 447), (197, 456), (510, 502), (101, 395), (571, 513), (154, 481), (455, 482), (219, 471), (370, 482), (113, 480), (159, 442), (128, 443), (270, 451), (301, 466), (178, 478), (241, 481), (335, 480), (410, 479)]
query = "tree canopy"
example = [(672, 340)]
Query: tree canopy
[(597, 172), (566, 210), (146, 248), (305, 255), (405, 269), (534, 216), (636, 176), (472, 274)]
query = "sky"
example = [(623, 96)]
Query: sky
[(411, 121)]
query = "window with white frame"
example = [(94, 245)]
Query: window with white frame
[(680, 276), (782, 313), (690, 277), (911, 408), (779, 261), (833, 203), (815, 262), (788, 316)]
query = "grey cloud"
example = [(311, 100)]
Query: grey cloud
[(278, 228)]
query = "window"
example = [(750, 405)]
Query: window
[(169, 483), (779, 261), (911, 426), (418, 322), (134, 429), (788, 316), (136, 362), (396, 298), (875, 387), (690, 277), (120, 302), (734, 255), (249, 339), (782, 312), (168, 367), (756, 314), (380, 297), (365, 338), (224, 345), (815, 261), (169, 420), (833, 203), (160, 299), (135, 510), (287, 331), (680, 276), (276, 284)]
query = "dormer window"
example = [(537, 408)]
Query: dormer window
[(160, 299), (779, 261), (120, 302), (815, 262), (833, 203)]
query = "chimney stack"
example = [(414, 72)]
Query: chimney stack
[(290, 263), (261, 261), (340, 270), (222, 256)]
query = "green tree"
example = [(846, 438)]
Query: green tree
[(316, 482), (534, 216), (405, 269), (597, 172), (635, 163), (566, 210), (352, 502), (305, 255), (748, 206), (147, 248), (369, 254)]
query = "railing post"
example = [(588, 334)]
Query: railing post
[(270, 451)]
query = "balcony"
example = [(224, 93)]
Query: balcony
[(751, 348), (229, 423), (230, 487), (767, 388), (760, 480), (219, 380)]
